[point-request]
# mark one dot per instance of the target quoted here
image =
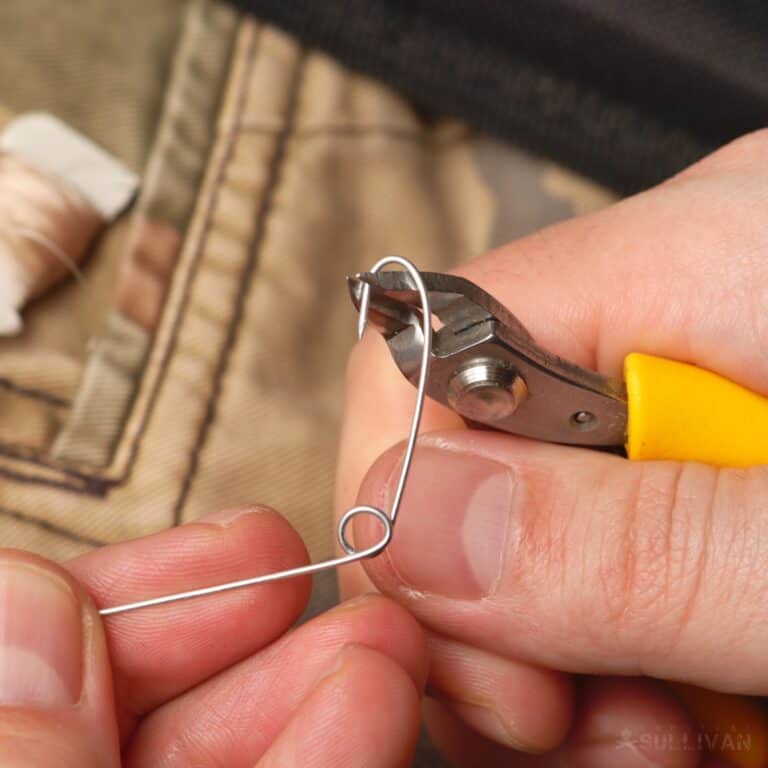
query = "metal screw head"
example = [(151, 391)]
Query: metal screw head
[(583, 421), (486, 390)]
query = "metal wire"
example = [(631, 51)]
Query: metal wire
[(387, 520)]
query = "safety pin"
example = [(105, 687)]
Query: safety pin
[(387, 520)]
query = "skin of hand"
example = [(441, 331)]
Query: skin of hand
[(528, 562), (207, 682)]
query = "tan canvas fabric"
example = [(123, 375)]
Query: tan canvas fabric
[(216, 377), (100, 65), (201, 362)]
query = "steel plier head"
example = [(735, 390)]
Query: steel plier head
[(486, 366)]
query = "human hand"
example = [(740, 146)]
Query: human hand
[(527, 561), (207, 682)]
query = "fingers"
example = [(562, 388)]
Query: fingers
[(460, 744), (627, 722), (55, 684), (581, 561), (634, 723), (513, 704), (192, 640), (234, 718), (365, 712)]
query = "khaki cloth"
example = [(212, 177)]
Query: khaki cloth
[(201, 364)]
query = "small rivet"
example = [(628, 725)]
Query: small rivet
[(583, 420), (486, 390)]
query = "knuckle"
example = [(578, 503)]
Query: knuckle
[(645, 560), (543, 555), (651, 557), (740, 583)]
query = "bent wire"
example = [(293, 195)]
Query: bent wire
[(387, 520)]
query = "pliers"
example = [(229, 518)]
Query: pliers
[(487, 367)]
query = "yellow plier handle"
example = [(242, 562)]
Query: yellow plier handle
[(681, 412)]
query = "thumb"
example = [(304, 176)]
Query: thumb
[(56, 706), (582, 561)]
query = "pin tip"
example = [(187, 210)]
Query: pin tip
[(362, 321)]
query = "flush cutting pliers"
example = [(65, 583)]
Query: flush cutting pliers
[(487, 367)]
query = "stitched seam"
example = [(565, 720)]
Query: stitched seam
[(33, 456), (360, 131), (34, 394), (70, 479), (78, 484), (210, 210), (274, 174), (50, 527), (23, 450)]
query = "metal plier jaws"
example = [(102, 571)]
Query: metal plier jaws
[(487, 367)]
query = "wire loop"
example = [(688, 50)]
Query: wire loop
[(379, 514), (387, 520)]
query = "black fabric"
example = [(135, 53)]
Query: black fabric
[(627, 92)]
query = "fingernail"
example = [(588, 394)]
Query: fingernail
[(487, 722), (41, 638), (452, 525), (226, 518), (340, 661)]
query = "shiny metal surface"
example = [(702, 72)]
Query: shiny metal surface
[(486, 391), (475, 327)]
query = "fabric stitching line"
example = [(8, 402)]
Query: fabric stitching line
[(88, 485), (30, 453), (210, 209), (273, 179), (355, 131), (33, 456), (85, 486), (50, 527), (23, 451), (34, 394)]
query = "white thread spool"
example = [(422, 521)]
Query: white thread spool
[(45, 230), (57, 190)]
